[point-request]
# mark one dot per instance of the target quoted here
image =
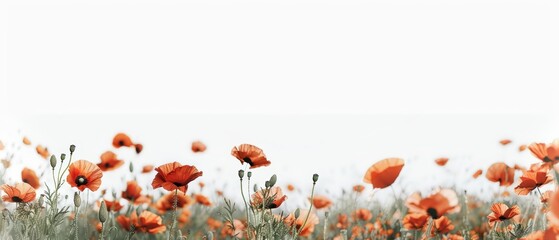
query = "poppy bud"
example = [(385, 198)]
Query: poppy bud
[(297, 213), (138, 147), (72, 148), (53, 161), (326, 214), (314, 178), (77, 200), (241, 174), (255, 188), (210, 235), (131, 167), (114, 194), (41, 200), (249, 174), (267, 184), (103, 212), (66, 197), (273, 180), (62, 157)]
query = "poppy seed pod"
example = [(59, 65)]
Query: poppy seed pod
[(41, 200), (297, 213), (62, 157), (314, 178), (72, 148), (103, 212), (131, 167), (267, 184), (273, 180), (53, 161), (249, 174), (255, 188), (77, 200), (241, 174)]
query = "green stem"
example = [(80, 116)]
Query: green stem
[(310, 208), (247, 209)]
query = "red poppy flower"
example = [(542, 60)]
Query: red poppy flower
[(26, 141), (114, 206), (501, 173), (165, 203), (501, 212), (415, 221), (272, 198), (21, 192), (320, 202), (441, 161), (138, 147), (29, 176), (436, 205), (198, 146), (173, 176), (109, 161), (203, 200), (505, 142), (308, 228), (532, 180), (84, 174), (43, 151), (122, 140), (548, 153), (147, 222), (383, 173), (477, 173), (147, 168), (250, 154)]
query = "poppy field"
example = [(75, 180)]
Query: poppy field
[(67, 201)]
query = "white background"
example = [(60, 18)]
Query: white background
[(321, 86)]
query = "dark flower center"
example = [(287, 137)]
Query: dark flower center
[(502, 218), (107, 164), (121, 143), (433, 213), (81, 180), (178, 184), (17, 199), (247, 160)]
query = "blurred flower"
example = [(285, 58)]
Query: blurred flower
[(298, 222), (273, 198), (203, 200), (441, 161), (384, 172), (198, 147), (548, 153), (114, 206), (109, 161), (26, 141), (238, 226), (477, 173), (532, 180), (165, 203), (43, 151), (501, 173), (29, 176), (147, 222), (147, 168), (415, 221), (358, 188), (320, 202), (436, 205), (122, 140), (21, 192), (505, 142), (501, 212), (362, 214)]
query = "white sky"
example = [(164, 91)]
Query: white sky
[(229, 72)]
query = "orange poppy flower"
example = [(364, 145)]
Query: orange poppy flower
[(203, 200), (415, 221), (132, 192), (546, 196), (532, 180), (501, 173), (308, 228), (184, 217), (213, 224), (343, 222), (147, 168), (320, 202), (43, 151), (442, 225), (26, 141), (250, 154), (219, 193), (84, 174), (362, 214), (109, 161), (436, 205), (548, 153), (138, 147), (147, 222), (358, 188), (114, 206), (198, 147), (384, 172), (29, 176), (165, 203), (477, 173), (173, 176), (122, 140), (501, 212), (238, 232), (21, 192), (290, 187), (505, 142), (272, 198), (522, 147), (441, 161)]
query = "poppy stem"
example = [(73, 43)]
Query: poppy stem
[(310, 208), (76, 223), (175, 200), (246, 209), (102, 230)]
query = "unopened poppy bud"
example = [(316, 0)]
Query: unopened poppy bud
[(267, 184), (77, 200), (273, 180), (62, 157), (297, 213), (131, 167), (326, 214), (53, 161), (255, 188), (66, 197), (249, 174), (72, 148), (241, 174), (210, 235), (103, 212), (41, 200), (314, 178)]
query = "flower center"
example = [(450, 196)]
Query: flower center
[(16, 199), (121, 143), (247, 160), (81, 180), (433, 213)]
